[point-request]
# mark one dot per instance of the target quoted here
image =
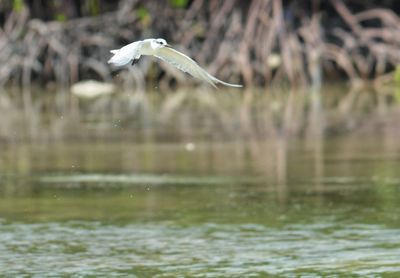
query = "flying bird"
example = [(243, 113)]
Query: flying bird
[(162, 50)]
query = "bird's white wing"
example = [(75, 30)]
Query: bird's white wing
[(124, 55), (188, 65)]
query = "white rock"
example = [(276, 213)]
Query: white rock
[(92, 89)]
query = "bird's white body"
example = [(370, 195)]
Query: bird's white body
[(160, 49)]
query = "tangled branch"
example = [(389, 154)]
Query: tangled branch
[(257, 42)]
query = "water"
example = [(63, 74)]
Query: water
[(245, 207)]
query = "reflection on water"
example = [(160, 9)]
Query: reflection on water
[(176, 187), (193, 114)]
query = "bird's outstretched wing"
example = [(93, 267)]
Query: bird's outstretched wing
[(126, 54), (188, 65)]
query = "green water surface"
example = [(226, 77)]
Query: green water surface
[(330, 208), (200, 184)]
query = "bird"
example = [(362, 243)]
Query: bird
[(162, 50)]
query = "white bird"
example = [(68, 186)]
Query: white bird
[(160, 49)]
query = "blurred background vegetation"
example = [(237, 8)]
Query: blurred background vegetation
[(257, 42), (292, 50)]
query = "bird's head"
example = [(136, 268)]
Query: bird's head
[(158, 43)]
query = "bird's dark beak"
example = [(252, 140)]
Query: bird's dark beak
[(168, 45)]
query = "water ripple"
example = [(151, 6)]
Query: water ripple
[(165, 249)]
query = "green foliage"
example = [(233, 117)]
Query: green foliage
[(396, 76), (178, 3), (144, 15), (17, 5), (396, 94), (94, 7), (60, 17)]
